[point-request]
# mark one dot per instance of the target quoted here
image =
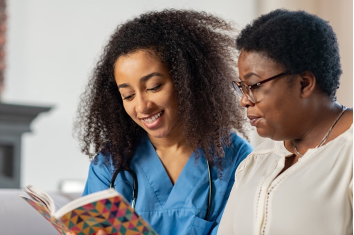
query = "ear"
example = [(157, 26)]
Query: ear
[(308, 83)]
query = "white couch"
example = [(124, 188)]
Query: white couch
[(17, 217)]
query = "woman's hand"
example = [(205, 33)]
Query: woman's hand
[(99, 232)]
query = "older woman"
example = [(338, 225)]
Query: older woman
[(300, 182)]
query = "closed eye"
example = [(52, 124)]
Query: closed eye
[(255, 87), (129, 97), (156, 88)]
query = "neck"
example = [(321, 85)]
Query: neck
[(174, 152), (321, 119), (174, 142)]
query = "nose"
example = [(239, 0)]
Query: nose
[(142, 103), (245, 102)]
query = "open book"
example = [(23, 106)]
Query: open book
[(107, 210)]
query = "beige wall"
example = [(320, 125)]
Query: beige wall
[(339, 13)]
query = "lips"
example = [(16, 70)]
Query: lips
[(253, 120), (152, 120)]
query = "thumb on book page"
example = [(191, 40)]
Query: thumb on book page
[(99, 232)]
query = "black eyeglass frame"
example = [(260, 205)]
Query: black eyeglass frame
[(250, 96)]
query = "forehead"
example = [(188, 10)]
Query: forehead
[(137, 64), (250, 61), (138, 58)]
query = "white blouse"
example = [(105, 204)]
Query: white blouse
[(314, 196)]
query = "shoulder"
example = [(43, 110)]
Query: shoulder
[(344, 127), (238, 150), (344, 143), (267, 151), (239, 143), (102, 163), (348, 134), (270, 147), (267, 145), (100, 174)]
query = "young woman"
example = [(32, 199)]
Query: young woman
[(301, 181), (160, 112)]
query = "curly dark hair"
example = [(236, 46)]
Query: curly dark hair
[(198, 48), (299, 41)]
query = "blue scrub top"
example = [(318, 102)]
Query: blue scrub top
[(179, 208)]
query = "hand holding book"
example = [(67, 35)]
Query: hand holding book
[(99, 232)]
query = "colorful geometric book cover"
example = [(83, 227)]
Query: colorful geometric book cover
[(106, 210)]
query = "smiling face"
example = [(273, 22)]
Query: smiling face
[(147, 92), (275, 113)]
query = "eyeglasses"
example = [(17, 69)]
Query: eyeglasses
[(244, 89)]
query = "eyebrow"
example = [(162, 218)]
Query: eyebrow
[(249, 75), (142, 79)]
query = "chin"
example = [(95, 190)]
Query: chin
[(270, 135), (158, 134), (264, 133)]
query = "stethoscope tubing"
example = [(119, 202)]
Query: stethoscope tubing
[(135, 187), (135, 183), (210, 192)]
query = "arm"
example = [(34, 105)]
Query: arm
[(225, 226), (239, 151), (99, 176)]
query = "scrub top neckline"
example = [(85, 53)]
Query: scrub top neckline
[(167, 194)]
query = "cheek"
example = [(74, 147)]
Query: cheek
[(166, 99), (280, 114), (129, 109), (273, 111), (172, 100), (172, 103)]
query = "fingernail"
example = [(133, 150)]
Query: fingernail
[(100, 232)]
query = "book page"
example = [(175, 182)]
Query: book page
[(44, 211), (41, 196)]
